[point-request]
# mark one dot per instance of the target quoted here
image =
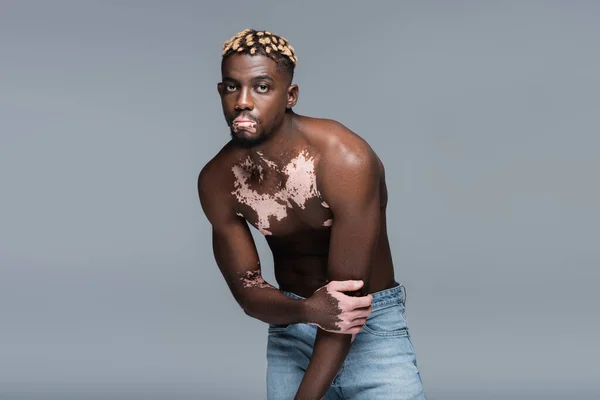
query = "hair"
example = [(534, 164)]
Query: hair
[(250, 41)]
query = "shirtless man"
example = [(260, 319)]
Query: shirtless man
[(317, 192)]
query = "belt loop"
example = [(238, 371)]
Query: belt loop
[(404, 295)]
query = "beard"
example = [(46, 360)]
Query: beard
[(237, 138), (240, 140), (248, 142)]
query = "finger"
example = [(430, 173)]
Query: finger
[(348, 325), (351, 315), (355, 303), (365, 311), (353, 323), (345, 286), (354, 314), (355, 330), (360, 302)]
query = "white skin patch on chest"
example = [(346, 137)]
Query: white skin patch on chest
[(300, 186)]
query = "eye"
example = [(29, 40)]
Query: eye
[(230, 88), (262, 88)]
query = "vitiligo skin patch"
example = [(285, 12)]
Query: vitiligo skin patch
[(254, 279), (247, 125), (300, 186)]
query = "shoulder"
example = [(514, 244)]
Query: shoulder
[(347, 165), (216, 168), (215, 178), (342, 150)]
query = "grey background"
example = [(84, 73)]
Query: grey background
[(485, 114)]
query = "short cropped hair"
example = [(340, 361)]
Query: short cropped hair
[(253, 42)]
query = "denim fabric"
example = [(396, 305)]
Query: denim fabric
[(381, 363)]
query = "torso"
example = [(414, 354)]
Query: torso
[(285, 205)]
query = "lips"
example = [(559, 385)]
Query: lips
[(243, 120), (244, 123)]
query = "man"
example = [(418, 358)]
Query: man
[(317, 192)]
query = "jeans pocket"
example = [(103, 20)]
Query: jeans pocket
[(387, 321), (277, 328)]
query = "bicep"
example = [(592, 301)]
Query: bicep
[(354, 235), (235, 253), (233, 246)]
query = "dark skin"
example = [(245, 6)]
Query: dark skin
[(311, 256)]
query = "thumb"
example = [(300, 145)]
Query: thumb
[(345, 286)]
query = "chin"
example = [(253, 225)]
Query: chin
[(241, 139)]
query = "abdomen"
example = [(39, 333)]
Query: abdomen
[(300, 260)]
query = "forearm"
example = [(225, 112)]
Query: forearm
[(329, 352), (261, 300), (269, 305)]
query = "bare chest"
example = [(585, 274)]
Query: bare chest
[(280, 201)]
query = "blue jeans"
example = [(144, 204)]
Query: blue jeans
[(381, 363)]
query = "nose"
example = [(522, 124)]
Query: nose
[(244, 100)]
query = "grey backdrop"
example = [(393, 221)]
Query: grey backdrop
[(485, 114)]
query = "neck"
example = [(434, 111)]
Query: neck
[(277, 149)]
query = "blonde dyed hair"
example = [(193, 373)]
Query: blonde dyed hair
[(253, 42)]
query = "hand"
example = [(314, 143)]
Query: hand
[(333, 311)]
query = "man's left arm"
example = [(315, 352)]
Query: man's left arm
[(349, 182)]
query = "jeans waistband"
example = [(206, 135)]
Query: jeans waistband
[(397, 294)]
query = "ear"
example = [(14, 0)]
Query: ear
[(220, 88), (292, 96)]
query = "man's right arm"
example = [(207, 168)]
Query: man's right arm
[(236, 256)]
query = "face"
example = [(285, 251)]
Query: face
[(255, 97)]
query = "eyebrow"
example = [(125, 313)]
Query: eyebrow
[(256, 78), (262, 78)]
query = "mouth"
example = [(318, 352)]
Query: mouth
[(243, 118), (244, 123)]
